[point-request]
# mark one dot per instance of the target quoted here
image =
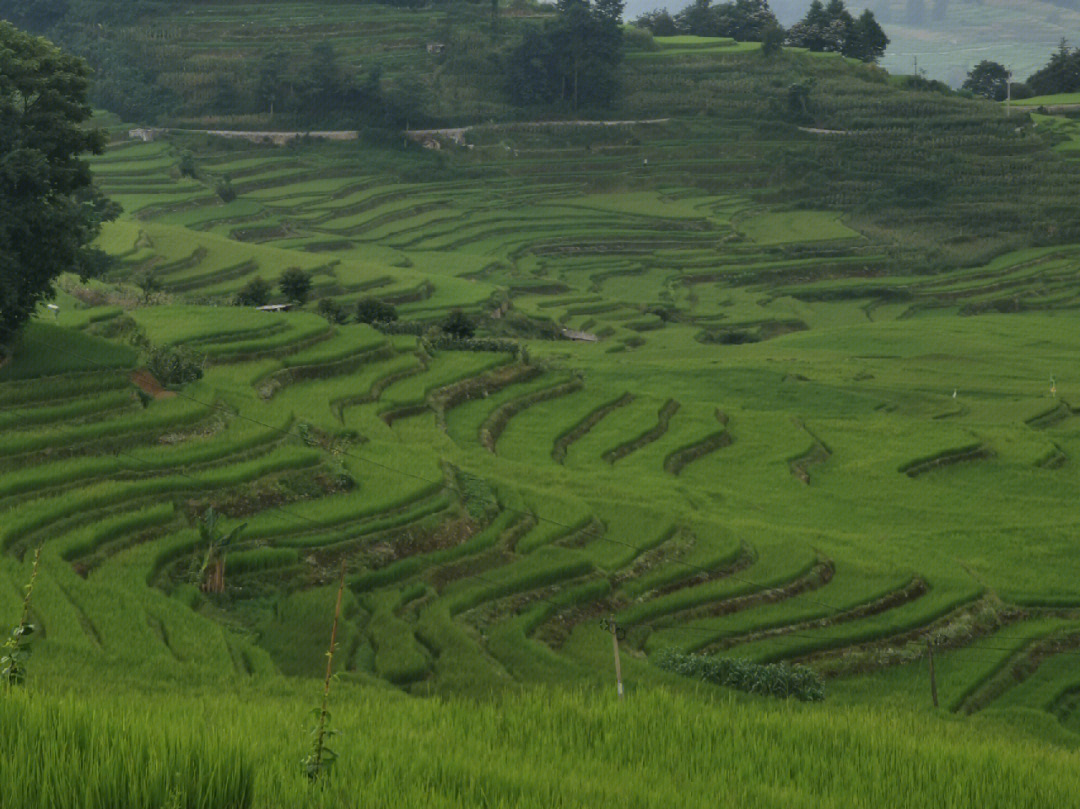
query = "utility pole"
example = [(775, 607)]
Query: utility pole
[(613, 627), (1008, 95), (933, 677)]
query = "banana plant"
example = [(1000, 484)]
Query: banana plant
[(212, 572)]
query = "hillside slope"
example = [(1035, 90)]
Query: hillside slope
[(817, 336)]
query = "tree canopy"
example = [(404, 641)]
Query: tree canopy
[(1060, 75), (50, 210), (988, 79), (572, 59), (832, 29), (744, 20)]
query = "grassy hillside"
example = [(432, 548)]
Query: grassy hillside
[(205, 63), (948, 44), (827, 419)]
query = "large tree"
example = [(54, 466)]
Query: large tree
[(1060, 75), (50, 210), (988, 79), (866, 39), (744, 20), (831, 28)]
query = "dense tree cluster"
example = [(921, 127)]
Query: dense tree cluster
[(312, 88), (50, 211), (1060, 75), (744, 20), (572, 59), (988, 79), (831, 28), (827, 28)]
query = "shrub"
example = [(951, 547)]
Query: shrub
[(187, 164), (333, 311), (224, 190), (768, 679), (639, 39), (772, 41), (459, 325), (175, 365), (295, 284), (148, 282), (448, 343), (373, 310), (255, 292), (414, 327)]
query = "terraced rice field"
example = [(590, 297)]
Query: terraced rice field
[(782, 446)]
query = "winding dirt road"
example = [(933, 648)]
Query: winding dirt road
[(456, 134)]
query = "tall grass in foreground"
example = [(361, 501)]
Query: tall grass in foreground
[(58, 753), (534, 750)]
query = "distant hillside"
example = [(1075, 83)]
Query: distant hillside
[(948, 37), (161, 61)]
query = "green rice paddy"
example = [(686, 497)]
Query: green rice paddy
[(805, 433)]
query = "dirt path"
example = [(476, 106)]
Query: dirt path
[(146, 382), (456, 134), (814, 131)]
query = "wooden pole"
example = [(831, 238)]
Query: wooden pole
[(933, 676), (618, 663)]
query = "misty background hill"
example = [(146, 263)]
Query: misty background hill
[(946, 38)]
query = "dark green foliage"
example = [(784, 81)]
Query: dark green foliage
[(224, 189), (1060, 75), (133, 79), (50, 210), (798, 100), (772, 679), (744, 20), (924, 85), (572, 59), (33, 15), (660, 23), (295, 284), (866, 40), (187, 164), (255, 292), (477, 495), (772, 41), (333, 311), (373, 310), (174, 366), (15, 651), (213, 543), (413, 327), (988, 79), (832, 29), (450, 343), (459, 325), (638, 39), (148, 282)]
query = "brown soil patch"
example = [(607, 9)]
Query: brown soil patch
[(146, 382)]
